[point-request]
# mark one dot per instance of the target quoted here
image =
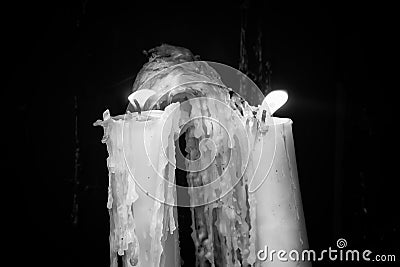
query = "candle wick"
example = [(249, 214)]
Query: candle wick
[(139, 109)]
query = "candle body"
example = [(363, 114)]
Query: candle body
[(140, 179), (279, 213)]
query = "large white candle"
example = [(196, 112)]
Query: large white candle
[(140, 179), (279, 214)]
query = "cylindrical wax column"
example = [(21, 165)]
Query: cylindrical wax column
[(141, 168), (279, 213)]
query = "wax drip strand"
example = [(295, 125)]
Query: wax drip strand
[(221, 229)]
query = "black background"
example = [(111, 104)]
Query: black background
[(335, 61)]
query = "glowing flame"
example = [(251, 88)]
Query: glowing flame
[(141, 96), (275, 100)]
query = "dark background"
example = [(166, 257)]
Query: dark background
[(333, 59)]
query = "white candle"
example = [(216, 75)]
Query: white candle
[(138, 174), (279, 214)]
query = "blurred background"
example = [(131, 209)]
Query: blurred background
[(67, 62)]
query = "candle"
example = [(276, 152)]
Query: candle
[(139, 182), (279, 214)]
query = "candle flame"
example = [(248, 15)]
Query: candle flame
[(140, 96), (275, 100)]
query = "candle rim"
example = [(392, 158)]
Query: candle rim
[(279, 121)]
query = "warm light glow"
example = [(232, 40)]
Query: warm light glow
[(141, 96), (275, 100)]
